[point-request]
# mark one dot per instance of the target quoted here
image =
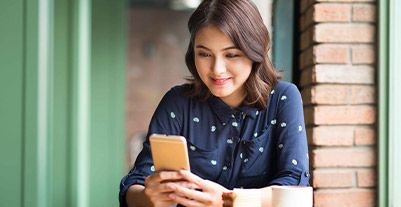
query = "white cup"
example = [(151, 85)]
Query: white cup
[(292, 196)]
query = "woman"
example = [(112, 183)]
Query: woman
[(244, 128)]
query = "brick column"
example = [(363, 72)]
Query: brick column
[(337, 50)]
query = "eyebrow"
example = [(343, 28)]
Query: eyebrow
[(227, 48)]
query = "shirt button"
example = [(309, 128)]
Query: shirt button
[(307, 174)]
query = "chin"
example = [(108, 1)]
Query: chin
[(219, 93)]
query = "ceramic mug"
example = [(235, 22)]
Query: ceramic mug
[(292, 196)]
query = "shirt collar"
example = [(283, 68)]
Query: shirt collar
[(224, 111)]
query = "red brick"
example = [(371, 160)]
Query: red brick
[(307, 38), (325, 12), (343, 74), (305, 4), (366, 178), (308, 114), (332, 135), (363, 13), (343, 157), (324, 53), (306, 94), (333, 178), (306, 76), (339, 94), (344, 198), (365, 135), (344, 33), (306, 58), (363, 54), (306, 19), (359, 114)]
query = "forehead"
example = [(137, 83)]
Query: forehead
[(211, 36)]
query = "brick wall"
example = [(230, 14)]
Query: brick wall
[(337, 57)]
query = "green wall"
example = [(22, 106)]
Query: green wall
[(11, 101), (283, 38), (389, 98), (62, 67)]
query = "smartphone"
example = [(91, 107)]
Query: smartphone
[(169, 152)]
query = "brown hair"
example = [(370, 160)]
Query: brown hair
[(241, 21)]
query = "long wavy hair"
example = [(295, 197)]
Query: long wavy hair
[(241, 21)]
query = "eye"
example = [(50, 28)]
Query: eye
[(204, 54), (232, 55)]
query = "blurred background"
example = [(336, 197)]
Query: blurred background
[(80, 80)]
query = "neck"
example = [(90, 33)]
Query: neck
[(234, 102)]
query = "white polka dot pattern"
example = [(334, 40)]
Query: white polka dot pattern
[(213, 128), (196, 119), (294, 162)]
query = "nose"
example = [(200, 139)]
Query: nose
[(219, 66)]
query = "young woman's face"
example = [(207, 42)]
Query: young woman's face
[(221, 66)]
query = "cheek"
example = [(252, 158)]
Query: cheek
[(201, 66), (242, 70)]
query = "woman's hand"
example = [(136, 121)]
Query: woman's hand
[(210, 194), (159, 186)]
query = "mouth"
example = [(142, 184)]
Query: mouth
[(220, 81)]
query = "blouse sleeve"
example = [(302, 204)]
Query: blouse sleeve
[(166, 120), (292, 148)]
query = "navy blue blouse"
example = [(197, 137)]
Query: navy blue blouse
[(237, 148)]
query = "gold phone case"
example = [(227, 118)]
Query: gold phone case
[(169, 152)]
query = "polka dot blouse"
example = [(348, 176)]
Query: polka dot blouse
[(237, 148)]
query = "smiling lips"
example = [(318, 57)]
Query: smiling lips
[(219, 81)]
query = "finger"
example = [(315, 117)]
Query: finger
[(163, 176), (187, 184), (166, 187), (193, 194), (185, 201), (160, 191), (187, 175)]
